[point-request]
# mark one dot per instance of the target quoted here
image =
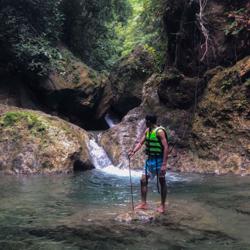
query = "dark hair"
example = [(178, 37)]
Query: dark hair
[(151, 118)]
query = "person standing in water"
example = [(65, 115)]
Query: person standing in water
[(155, 139)]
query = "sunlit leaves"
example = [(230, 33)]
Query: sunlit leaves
[(89, 29), (145, 27)]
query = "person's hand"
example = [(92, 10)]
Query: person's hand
[(163, 169), (131, 153)]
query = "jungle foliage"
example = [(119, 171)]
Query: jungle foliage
[(29, 30), (89, 29), (145, 27), (99, 32)]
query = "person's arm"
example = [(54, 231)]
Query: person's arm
[(162, 136), (138, 145)]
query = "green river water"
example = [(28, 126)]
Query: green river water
[(78, 211)]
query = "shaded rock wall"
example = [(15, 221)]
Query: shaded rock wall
[(127, 79), (227, 29), (73, 92), (220, 138)]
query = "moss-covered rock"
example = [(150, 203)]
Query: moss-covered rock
[(32, 142), (128, 77), (73, 90)]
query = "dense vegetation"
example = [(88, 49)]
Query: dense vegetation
[(97, 31), (31, 30), (89, 29), (145, 27)]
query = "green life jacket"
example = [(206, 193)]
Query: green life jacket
[(153, 144)]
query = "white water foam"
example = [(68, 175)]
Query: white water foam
[(122, 172), (102, 162)]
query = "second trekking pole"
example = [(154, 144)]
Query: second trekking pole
[(131, 185)]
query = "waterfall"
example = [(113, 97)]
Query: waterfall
[(111, 119), (99, 157), (102, 162)]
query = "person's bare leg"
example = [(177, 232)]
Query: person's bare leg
[(162, 207), (144, 190)]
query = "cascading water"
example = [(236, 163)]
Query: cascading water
[(98, 155), (102, 162), (111, 120)]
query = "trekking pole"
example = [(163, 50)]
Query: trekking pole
[(157, 175), (131, 186)]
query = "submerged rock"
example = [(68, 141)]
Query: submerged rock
[(137, 215), (33, 142)]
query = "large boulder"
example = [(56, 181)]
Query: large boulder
[(33, 142)]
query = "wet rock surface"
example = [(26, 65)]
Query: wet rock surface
[(138, 215)]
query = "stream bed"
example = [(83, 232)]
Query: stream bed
[(78, 211)]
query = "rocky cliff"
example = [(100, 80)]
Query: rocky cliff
[(211, 136)]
